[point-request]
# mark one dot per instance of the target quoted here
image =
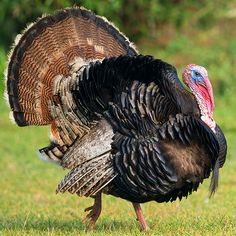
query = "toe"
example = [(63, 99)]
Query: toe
[(88, 208)]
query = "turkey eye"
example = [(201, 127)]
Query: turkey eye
[(197, 73)]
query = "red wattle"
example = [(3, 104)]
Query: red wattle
[(207, 96)]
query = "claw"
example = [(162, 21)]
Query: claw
[(94, 211), (88, 208)]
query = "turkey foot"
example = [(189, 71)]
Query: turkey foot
[(139, 213), (94, 211)]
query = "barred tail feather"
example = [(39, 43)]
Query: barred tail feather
[(46, 49)]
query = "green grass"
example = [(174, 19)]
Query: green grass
[(29, 205)]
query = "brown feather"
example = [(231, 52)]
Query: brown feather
[(46, 49), (188, 161)]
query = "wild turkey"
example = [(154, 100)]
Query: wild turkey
[(122, 122)]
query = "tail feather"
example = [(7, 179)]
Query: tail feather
[(46, 49)]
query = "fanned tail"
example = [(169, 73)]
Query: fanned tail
[(41, 66), (46, 49)]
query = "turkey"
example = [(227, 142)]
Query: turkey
[(122, 123)]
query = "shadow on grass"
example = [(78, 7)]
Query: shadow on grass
[(102, 225)]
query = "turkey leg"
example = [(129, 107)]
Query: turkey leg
[(139, 213), (94, 211)]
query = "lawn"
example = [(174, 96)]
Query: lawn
[(29, 205)]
